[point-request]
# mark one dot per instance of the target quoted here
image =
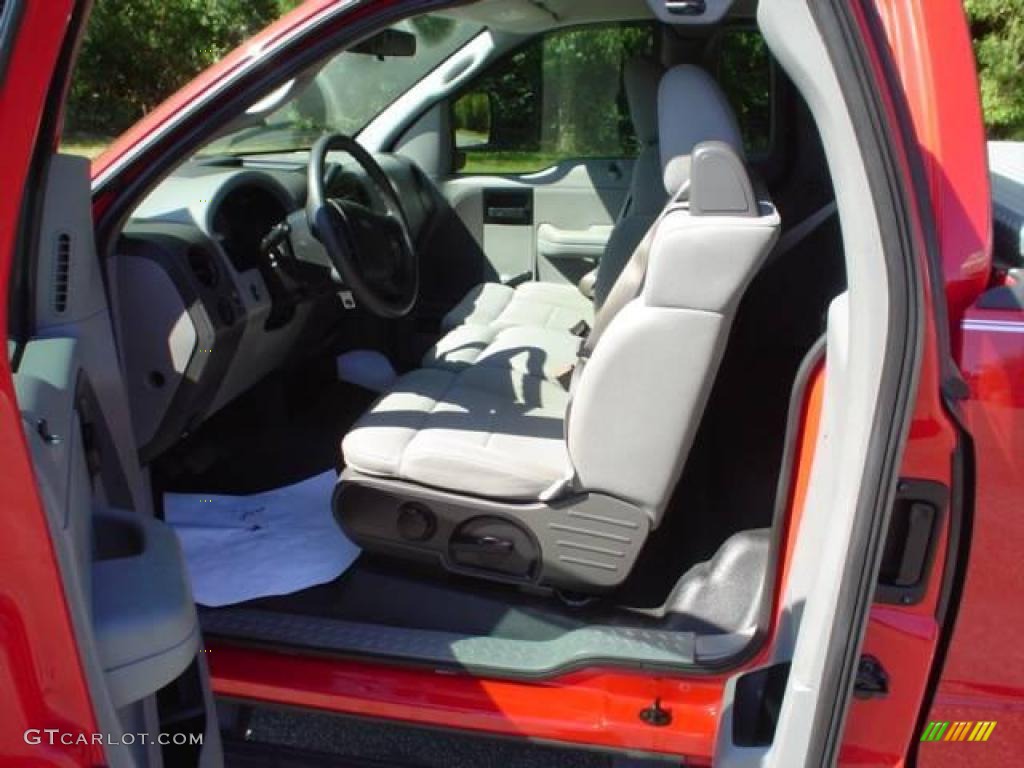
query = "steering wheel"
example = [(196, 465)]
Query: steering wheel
[(373, 252)]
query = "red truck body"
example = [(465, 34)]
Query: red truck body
[(969, 629)]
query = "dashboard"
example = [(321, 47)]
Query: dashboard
[(245, 215), (205, 307)]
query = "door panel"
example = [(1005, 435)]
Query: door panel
[(507, 225), (570, 254), (124, 579), (575, 216), (42, 682), (549, 118), (123, 565), (550, 226)]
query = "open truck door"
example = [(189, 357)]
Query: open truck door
[(102, 661)]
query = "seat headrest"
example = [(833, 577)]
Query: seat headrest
[(641, 77), (692, 108)]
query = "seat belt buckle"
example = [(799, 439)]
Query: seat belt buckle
[(348, 301), (565, 377), (581, 329), (582, 351)]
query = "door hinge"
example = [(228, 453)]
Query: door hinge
[(872, 680)]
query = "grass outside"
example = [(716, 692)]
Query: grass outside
[(484, 161), (84, 145)]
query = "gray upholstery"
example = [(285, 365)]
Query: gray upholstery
[(543, 305), (686, 121), (624, 241), (481, 306), (547, 305), (488, 422), (685, 105), (481, 432), (535, 351), (638, 401)]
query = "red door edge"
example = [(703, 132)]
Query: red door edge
[(929, 50), (42, 682)]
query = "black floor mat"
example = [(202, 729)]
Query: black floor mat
[(390, 593), (381, 592), (287, 429)]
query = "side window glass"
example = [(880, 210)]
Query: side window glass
[(744, 70), (559, 98)]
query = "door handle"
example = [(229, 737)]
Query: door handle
[(512, 206), (686, 7), (910, 543), (506, 213)]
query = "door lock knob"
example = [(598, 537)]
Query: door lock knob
[(43, 429)]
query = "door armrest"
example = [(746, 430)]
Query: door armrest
[(590, 243), (144, 619), (518, 279)]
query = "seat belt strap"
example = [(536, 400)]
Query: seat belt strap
[(631, 280), (792, 237), (627, 204), (626, 288)]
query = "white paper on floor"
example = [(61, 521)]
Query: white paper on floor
[(243, 547)]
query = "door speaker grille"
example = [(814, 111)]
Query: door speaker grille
[(62, 273)]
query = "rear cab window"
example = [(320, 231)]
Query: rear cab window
[(741, 63), (558, 98)]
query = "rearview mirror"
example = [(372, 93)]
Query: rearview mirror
[(389, 43)]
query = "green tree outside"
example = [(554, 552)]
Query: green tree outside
[(137, 52), (997, 27)]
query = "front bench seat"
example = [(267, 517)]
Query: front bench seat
[(480, 432), (510, 477)]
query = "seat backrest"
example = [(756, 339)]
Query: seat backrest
[(638, 400), (641, 77), (708, 117)]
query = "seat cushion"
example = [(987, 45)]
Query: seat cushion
[(529, 334), (534, 351), (460, 348), (546, 305), (537, 305), (481, 306), (484, 432)]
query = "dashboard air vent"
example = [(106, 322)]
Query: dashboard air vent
[(62, 273)]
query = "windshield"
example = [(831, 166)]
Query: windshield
[(351, 89)]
